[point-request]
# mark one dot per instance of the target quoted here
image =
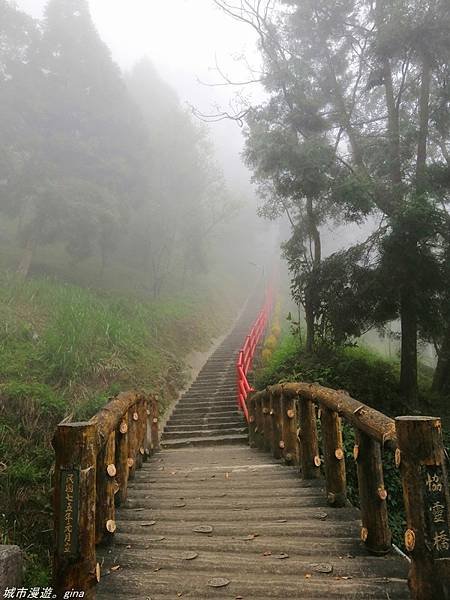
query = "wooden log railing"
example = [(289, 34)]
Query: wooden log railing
[(94, 461), (283, 420)]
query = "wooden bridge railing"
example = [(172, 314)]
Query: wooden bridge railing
[(94, 462), (283, 420)]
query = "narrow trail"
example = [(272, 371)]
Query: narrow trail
[(209, 511)]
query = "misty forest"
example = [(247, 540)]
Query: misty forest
[(277, 212)]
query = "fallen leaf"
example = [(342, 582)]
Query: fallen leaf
[(115, 568), (323, 568), (281, 556), (148, 524), (203, 529), (307, 575), (321, 516), (267, 553), (189, 555), (218, 582)]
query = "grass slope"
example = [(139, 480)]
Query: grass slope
[(64, 350)]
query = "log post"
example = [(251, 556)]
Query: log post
[(276, 416), (289, 434), (148, 429), (105, 524), (267, 423), (122, 456), (333, 450), (310, 459), (375, 532), (424, 473), (74, 562), (155, 423), (133, 433), (259, 419), (141, 432), (251, 421)]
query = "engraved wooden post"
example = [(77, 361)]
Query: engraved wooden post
[(122, 460), (133, 432), (375, 532), (276, 416), (290, 425), (426, 495), (267, 423), (105, 524), (310, 459), (333, 450), (155, 423), (74, 562)]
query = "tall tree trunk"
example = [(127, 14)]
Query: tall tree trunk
[(27, 258), (441, 378), (408, 368), (424, 116), (310, 292)]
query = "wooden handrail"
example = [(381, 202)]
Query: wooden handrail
[(94, 461), (283, 420)]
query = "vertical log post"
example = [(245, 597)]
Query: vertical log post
[(155, 423), (133, 426), (267, 423), (276, 416), (148, 429), (122, 456), (259, 420), (310, 459), (142, 432), (290, 425), (251, 421), (375, 532), (74, 563), (105, 524), (333, 450), (424, 473)]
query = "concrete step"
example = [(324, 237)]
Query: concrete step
[(214, 440), (199, 432)]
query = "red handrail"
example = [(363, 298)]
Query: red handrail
[(247, 353)]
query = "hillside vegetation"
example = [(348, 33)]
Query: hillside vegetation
[(64, 350)]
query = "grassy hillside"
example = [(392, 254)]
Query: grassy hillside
[(64, 350), (370, 378)]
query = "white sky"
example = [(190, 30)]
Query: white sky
[(183, 38)]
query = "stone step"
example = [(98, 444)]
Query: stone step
[(215, 440), (206, 432)]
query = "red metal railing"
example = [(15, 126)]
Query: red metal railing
[(246, 355)]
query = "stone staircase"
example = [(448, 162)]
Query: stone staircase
[(207, 413)]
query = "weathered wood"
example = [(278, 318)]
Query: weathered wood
[(259, 429), (291, 450), (155, 423), (309, 454), (74, 563), (105, 487), (133, 432), (141, 432), (375, 424), (275, 415), (333, 451), (267, 424), (375, 532), (109, 417), (251, 421), (122, 456), (424, 473)]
